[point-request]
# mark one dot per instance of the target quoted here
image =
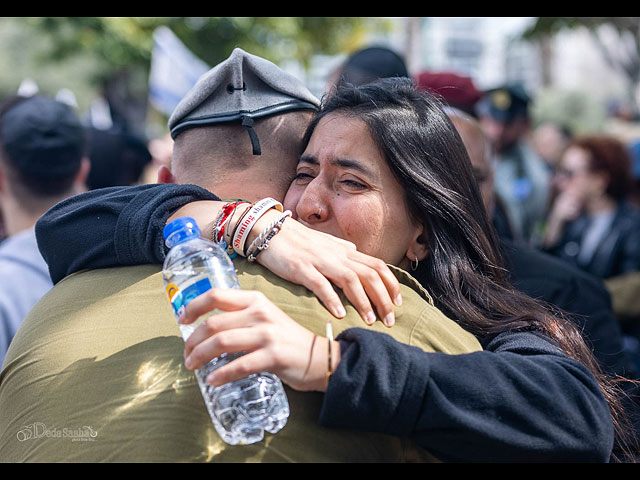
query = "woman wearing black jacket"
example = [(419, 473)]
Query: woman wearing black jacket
[(591, 224)]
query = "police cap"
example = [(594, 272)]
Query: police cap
[(504, 103)]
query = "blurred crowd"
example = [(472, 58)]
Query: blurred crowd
[(574, 198)]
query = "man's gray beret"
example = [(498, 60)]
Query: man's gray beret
[(242, 88)]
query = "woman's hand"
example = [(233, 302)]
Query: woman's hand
[(566, 207), (249, 322), (315, 259)]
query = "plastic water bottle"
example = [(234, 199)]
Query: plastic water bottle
[(242, 410)]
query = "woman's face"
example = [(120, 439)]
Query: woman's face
[(344, 187), (574, 176)]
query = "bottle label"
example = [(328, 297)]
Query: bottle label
[(180, 298)]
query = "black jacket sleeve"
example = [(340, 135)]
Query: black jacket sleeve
[(519, 400), (111, 226)]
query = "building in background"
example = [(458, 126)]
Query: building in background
[(486, 49)]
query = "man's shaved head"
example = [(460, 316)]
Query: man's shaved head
[(211, 156)]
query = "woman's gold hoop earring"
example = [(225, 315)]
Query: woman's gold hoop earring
[(414, 264)]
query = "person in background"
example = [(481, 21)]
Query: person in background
[(591, 224), (369, 64), (42, 161), (160, 149), (550, 140), (117, 157), (521, 177)]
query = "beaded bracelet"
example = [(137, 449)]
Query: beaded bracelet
[(262, 241), (223, 219)]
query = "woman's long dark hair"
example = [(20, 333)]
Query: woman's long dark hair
[(464, 271)]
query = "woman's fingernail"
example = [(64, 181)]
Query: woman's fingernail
[(339, 311), (398, 300), (389, 320), (188, 362), (370, 318)]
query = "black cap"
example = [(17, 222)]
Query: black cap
[(372, 63), (504, 103), (43, 138)]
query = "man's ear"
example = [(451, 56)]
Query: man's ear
[(165, 175)]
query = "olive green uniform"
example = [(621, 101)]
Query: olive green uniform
[(95, 373)]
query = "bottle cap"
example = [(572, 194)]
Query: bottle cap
[(186, 227)]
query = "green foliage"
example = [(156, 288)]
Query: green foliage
[(274, 38), (550, 25), (127, 41)]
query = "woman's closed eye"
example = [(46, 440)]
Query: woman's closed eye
[(354, 184), (303, 178)]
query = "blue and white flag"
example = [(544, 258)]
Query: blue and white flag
[(174, 70)]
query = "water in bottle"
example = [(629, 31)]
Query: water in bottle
[(241, 410)]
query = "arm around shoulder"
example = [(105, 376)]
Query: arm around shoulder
[(110, 226)]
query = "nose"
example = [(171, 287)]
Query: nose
[(312, 206), (493, 129)]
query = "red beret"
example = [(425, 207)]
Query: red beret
[(457, 90)]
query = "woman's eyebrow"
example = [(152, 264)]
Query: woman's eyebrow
[(308, 159), (341, 162)]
